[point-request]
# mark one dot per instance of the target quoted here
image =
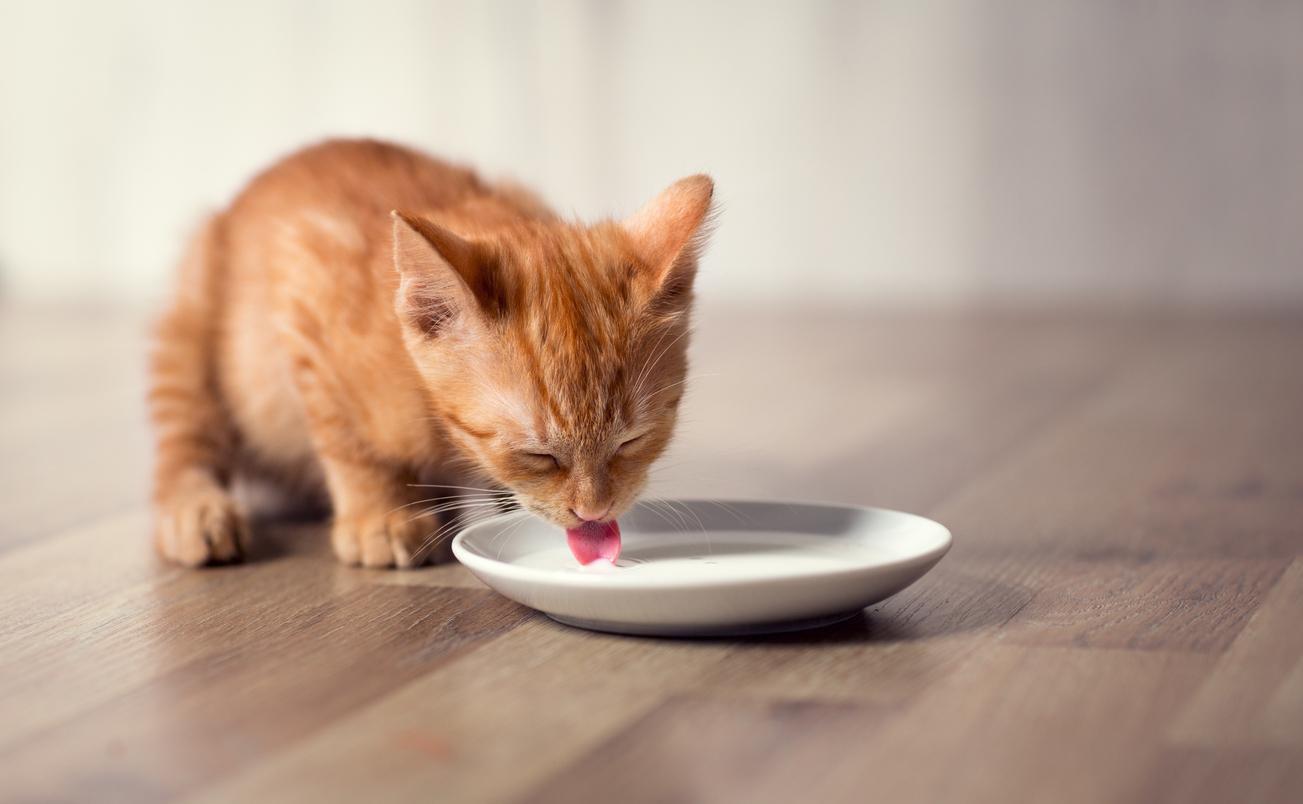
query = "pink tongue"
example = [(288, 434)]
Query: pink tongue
[(593, 540)]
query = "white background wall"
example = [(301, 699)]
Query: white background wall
[(1028, 150)]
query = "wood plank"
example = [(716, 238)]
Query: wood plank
[(907, 643), (1252, 699), (498, 720), (887, 656), (312, 659), (1192, 451), (1206, 775), (1013, 723), (1036, 724), (72, 378), (112, 618), (1183, 604), (703, 749)]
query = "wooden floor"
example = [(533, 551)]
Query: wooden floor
[(1121, 618)]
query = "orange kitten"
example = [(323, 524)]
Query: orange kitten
[(364, 318)]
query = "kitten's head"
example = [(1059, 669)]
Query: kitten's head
[(554, 353)]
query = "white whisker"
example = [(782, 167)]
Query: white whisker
[(462, 506), (506, 535), (650, 365), (457, 488)]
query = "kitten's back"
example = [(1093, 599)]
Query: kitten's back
[(307, 259)]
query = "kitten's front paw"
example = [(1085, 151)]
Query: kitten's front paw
[(396, 539), (200, 527)]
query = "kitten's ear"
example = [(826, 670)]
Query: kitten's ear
[(443, 277), (669, 234)]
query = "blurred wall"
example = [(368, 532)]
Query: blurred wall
[(1025, 151)]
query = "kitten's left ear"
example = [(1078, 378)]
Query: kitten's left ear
[(669, 234), (444, 277)]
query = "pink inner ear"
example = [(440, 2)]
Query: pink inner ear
[(443, 275), (593, 540), (668, 224)]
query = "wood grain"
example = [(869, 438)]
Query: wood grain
[(1253, 696), (1179, 604), (1118, 620), (720, 751)]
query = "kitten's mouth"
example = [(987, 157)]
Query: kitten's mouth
[(593, 540)]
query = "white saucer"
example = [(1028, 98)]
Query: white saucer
[(710, 568)]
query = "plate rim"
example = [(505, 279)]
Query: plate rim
[(551, 578)]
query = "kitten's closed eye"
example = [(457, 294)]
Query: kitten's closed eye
[(629, 442), (540, 461)]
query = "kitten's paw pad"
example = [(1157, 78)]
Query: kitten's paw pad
[(389, 540), (201, 528)]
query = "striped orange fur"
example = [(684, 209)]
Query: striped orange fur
[(365, 320)]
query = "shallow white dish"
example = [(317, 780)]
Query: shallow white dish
[(712, 567)]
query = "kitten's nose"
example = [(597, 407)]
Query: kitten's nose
[(591, 513)]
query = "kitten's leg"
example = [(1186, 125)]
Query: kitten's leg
[(375, 525), (196, 520)]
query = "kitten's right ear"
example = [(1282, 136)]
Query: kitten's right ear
[(444, 278), (668, 234)]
